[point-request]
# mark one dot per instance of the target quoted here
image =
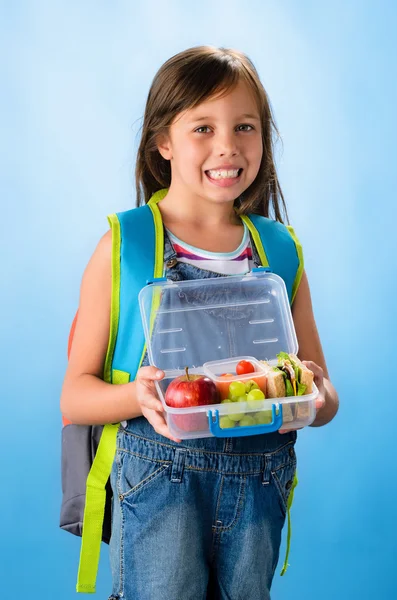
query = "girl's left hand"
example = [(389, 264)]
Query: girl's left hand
[(319, 381)]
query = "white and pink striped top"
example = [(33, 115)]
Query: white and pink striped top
[(238, 262)]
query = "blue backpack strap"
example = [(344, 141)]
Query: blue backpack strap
[(137, 261), (301, 266), (279, 248), (141, 260)]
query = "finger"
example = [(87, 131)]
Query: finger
[(150, 373), (158, 423), (320, 401), (288, 430), (151, 402), (315, 368)]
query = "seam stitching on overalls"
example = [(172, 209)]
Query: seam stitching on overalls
[(202, 451), (239, 506)]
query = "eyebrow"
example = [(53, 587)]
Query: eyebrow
[(244, 116)]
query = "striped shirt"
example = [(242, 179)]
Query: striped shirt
[(238, 262)]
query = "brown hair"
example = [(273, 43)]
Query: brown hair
[(184, 81)]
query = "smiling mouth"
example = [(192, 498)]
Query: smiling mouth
[(223, 174), (224, 178)]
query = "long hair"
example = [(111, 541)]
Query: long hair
[(183, 82)]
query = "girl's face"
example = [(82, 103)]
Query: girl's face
[(215, 149)]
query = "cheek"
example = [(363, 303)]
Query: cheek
[(188, 150), (255, 152), (192, 157)]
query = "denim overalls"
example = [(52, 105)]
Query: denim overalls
[(201, 519)]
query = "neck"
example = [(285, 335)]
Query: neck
[(183, 207)]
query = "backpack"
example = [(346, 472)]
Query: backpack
[(79, 447)]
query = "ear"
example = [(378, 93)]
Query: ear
[(164, 146)]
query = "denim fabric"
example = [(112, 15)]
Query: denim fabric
[(201, 519)]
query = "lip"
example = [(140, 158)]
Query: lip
[(224, 167)]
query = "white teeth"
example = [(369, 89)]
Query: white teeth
[(223, 174)]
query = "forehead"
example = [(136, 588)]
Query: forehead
[(238, 101)]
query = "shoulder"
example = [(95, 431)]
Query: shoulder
[(104, 245), (98, 268), (101, 256)]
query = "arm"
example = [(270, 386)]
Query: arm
[(86, 399), (311, 352)]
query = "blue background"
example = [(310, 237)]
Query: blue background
[(75, 76)]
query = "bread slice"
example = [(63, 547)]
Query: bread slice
[(306, 376), (275, 385), (275, 388)]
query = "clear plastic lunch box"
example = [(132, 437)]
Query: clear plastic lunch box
[(210, 325)]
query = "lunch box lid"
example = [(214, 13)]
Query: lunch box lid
[(189, 323)]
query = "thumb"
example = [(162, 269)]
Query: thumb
[(150, 373)]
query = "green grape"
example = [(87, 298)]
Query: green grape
[(225, 422), (251, 385), (242, 398), (247, 420), (255, 396), (263, 417), (236, 417), (226, 400), (236, 389)]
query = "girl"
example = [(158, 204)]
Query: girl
[(200, 518)]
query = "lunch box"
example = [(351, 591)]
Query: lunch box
[(209, 326)]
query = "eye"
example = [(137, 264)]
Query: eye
[(245, 125), (199, 129)]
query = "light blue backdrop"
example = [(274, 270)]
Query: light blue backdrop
[(74, 81)]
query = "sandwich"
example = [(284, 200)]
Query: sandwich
[(288, 378)]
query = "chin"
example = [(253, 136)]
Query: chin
[(223, 194)]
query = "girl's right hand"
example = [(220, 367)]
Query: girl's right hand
[(149, 402)]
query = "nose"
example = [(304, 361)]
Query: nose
[(226, 144)]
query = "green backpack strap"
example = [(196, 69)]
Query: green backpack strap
[(289, 504), (95, 510), (98, 476)]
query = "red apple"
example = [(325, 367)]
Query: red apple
[(191, 390)]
